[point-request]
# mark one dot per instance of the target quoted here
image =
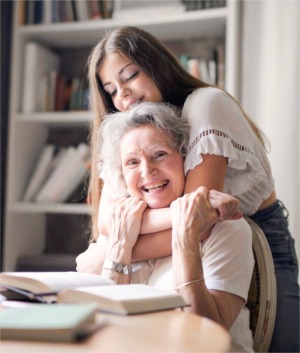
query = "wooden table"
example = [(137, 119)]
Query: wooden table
[(166, 331)]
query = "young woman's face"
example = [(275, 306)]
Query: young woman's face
[(152, 169), (126, 83)]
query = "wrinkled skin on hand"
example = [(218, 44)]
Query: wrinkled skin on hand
[(192, 215), (124, 222)]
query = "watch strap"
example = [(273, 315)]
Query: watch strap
[(117, 266)]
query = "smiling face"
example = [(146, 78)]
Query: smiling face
[(152, 169), (126, 83)]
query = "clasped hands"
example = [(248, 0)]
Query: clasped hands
[(193, 213), (196, 211)]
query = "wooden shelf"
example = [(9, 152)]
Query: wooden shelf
[(57, 118), (61, 208), (186, 25)]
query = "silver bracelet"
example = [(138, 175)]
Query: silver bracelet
[(118, 267), (188, 283)]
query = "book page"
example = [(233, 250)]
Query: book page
[(38, 282), (129, 292)]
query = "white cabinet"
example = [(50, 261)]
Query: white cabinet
[(25, 223)]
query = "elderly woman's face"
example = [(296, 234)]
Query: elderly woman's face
[(152, 169)]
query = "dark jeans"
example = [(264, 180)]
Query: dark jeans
[(273, 221)]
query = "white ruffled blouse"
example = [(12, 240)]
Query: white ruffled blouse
[(219, 127)]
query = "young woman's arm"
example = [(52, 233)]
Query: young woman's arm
[(211, 174), (154, 220)]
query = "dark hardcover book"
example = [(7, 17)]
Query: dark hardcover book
[(38, 11)]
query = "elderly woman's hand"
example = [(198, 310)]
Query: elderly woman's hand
[(124, 227), (191, 216)]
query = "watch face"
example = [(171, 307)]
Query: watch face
[(119, 267)]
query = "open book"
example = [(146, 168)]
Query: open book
[(75, 287)]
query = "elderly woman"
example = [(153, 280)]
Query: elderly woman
[(141, 153)]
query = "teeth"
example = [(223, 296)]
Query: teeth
[(153, 187)]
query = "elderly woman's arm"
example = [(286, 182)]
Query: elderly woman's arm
[(124, 228), (191, 216)]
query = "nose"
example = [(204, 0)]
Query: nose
[(124, 91), (148, 169)]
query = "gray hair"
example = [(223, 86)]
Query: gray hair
[(162, 116)]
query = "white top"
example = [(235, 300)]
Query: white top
[(228, 263), (219, 127)]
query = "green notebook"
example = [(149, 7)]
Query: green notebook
[(48, 322)]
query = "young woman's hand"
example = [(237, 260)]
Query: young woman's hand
[(226, 205)]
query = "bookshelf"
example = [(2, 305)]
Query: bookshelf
[(25, 222)]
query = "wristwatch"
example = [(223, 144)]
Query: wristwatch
[(118, 267)]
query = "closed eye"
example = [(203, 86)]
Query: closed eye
[(113, 93), (132, 76)]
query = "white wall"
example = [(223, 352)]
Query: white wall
[(270, 91)]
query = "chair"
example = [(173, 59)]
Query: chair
[(262, 293)]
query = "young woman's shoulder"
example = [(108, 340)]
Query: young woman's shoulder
[(209, 95), (214, 107)]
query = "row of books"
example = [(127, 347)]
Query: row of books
[(192, 5), (57, 173), (210, 69), (53, 11), (56, 92), (45, 88)]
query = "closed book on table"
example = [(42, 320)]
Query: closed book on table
[(48, 322)]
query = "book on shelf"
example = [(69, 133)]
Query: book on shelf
[(56, 92), (208, 68), (82, 10), (203, 4), (45, 166), (39, 62), (52, 323), (66, 176), (131, 9), (74, 287), (41, 171)]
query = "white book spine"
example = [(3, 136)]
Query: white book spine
[(74, 174), (66, 176), (40, 173), (45, 194), (39, 61)]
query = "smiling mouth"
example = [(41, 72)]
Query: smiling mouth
[(154, 187), (135, 103)]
